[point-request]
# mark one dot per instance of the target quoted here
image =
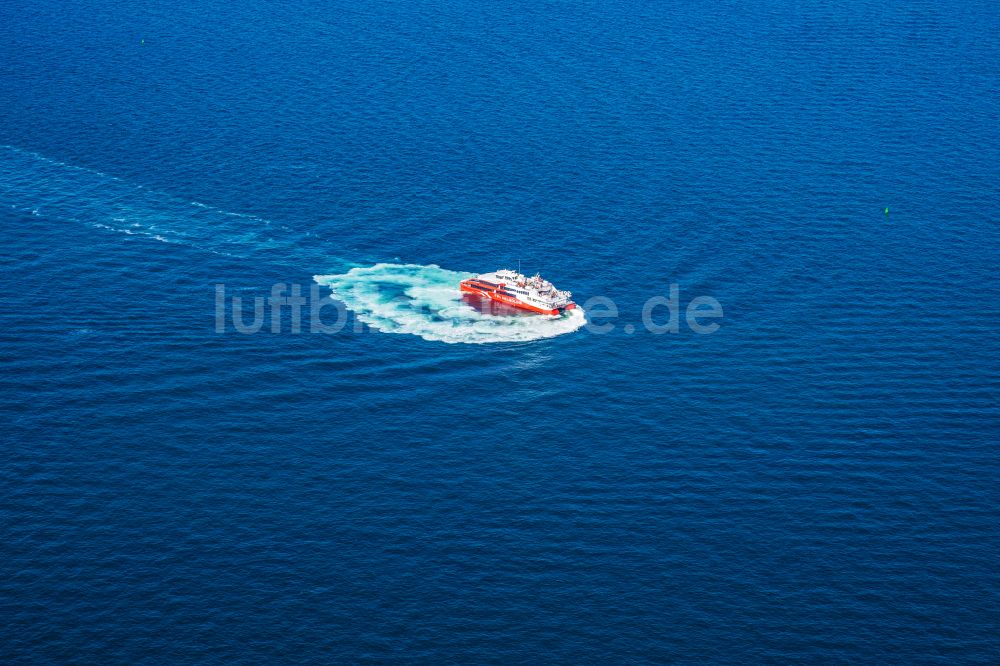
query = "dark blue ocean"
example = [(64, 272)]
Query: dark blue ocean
[(815, 481)]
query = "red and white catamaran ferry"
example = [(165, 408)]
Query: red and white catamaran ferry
[(527, 293)]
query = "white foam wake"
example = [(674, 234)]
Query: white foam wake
[(425, 301)]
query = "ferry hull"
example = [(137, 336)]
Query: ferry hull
[(468, 287)]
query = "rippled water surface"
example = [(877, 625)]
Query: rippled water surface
[(816, 481)]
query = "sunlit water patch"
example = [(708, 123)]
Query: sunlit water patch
[(425, 301)]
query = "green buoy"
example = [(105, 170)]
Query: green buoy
[(887, 211)]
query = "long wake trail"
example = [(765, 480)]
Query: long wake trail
[(52, 190), (412, 299)]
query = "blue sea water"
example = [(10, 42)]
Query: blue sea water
[(815, 481)]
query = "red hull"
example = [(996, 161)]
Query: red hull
[(467, 287)]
